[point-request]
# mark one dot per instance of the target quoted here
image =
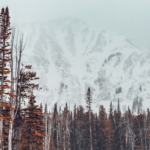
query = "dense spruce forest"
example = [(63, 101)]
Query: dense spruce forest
[(30, 127)]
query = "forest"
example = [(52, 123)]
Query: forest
[(33, 127)]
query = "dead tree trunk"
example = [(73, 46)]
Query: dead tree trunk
[(17, 43)]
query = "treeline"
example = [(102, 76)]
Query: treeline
[(82, 129), (26, 127)]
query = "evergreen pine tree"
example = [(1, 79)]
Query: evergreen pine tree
[(32, 128), (109, 135), (52, 146), (117, 117), (102, 118), (88, 102), (32, 132), (80, 127)]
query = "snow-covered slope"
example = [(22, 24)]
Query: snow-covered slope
[(69, 56)]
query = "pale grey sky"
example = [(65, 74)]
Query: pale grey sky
[(128, 17)]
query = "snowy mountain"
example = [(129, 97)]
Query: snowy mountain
[(69, 56)]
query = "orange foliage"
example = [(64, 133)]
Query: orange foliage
[(1, 117), (36, 133), (6, 72), (7, 81), (1, 137), (6, 105), (5, 87)]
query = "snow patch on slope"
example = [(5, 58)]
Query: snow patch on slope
[(69, 56)]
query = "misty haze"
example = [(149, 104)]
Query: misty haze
[(74, 75)]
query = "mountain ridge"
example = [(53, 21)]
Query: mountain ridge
[(69, 56)]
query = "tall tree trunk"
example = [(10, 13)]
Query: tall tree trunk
[(45, 120), (90, 128), (58, 132), (12, 92), (49, 132), (1, 132), (10, 131)]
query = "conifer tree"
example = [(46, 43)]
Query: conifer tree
[(139, 131), (88, 102), (52, 146), (102, 118), (109, 135), (55, 121), (129, 131), (93, 124), (32, 133), (97, 132), (86, 133), (23, 89), (80, 127), (74, 134), (111, 117), (117, 118), (32, 130), (65, 130)]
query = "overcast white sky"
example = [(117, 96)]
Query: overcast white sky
[(128, 17)]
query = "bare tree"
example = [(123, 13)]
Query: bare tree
[(18, 45)]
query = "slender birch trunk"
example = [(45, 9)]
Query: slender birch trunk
[(10, 132)]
